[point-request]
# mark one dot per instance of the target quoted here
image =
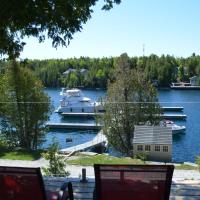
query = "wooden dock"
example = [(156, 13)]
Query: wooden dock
[(172, 108), (180, 190), (80, 126), (97, 140), (82, 114), (174, 116)]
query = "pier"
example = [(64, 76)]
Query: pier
[(82, 114), (172, 108), (97, 140), (82, 126), (174, 116)]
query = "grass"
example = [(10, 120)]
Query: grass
[(20, 154), (186, 167), (102, 159), (105, 159)]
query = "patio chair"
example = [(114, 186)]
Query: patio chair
[(19, 183), (133, 182)]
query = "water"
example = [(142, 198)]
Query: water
[(186, 146), (78, 137)]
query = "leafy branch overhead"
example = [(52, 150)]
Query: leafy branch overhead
[(57, 20)]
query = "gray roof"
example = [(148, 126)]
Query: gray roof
[(152, 135)]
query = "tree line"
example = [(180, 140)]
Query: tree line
[(96, 72)]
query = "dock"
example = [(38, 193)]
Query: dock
[(174, 116), (185, 87), (172, 108), (82, 126), (82, 114), (97, 140)]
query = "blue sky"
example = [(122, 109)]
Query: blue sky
[(163, 26)]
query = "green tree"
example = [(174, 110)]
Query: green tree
[(25, 109), (57, 20), (57, 163), (131, 100)]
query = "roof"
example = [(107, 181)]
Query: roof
[(152, 135)]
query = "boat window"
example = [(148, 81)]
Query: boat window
[(74, 93), (82, 109), (140, 148), (165, 148), (70, 109), (147, 148), (157, 148)]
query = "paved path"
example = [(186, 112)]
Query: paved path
[(75, 171)]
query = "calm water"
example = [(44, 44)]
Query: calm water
[(186, 146)]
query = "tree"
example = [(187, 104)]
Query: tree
[(26, 107), (57, 20), (56, 162), (131, 100)]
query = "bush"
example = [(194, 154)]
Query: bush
[(198, 162), (142, 156), (57, 163)]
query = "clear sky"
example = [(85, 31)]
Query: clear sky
[(162, 26)]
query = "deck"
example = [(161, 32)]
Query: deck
[(180, 190)]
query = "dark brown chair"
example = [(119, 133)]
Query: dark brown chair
[(133, 182), (19, 183)]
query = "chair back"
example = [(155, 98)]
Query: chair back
[(18, 183), (129, 182)]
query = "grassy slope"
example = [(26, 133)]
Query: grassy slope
[(19, 154)]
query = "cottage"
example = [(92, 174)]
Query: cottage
[(154, 141), (69, 71)]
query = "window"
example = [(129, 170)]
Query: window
[(147, 148), (140, 148), (157, 148), (165, 148)]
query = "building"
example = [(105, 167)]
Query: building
[(69, 71), (194, 81), (154, 141)]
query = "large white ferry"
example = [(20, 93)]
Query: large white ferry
[(73, 101)]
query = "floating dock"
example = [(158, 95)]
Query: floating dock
[(172, 108), (97, 140), (82, 114), (185, 87), (174, 116), (79, 126)]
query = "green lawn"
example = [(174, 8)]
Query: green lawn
[(102, 159), (105, 159), (19, 154)]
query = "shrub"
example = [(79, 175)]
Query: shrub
[(57, 162)]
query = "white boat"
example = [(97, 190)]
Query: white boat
[(175, 128), (73, 101)]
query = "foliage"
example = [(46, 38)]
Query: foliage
[(25, 107), (56, 162), (198, 162), (57, 20), (131, 100), (141, 156), (102, 159)]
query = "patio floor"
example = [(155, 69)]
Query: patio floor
[(180, 190)]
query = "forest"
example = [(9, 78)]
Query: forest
[(85, 72)]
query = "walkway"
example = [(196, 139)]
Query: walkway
[(97, 140)]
